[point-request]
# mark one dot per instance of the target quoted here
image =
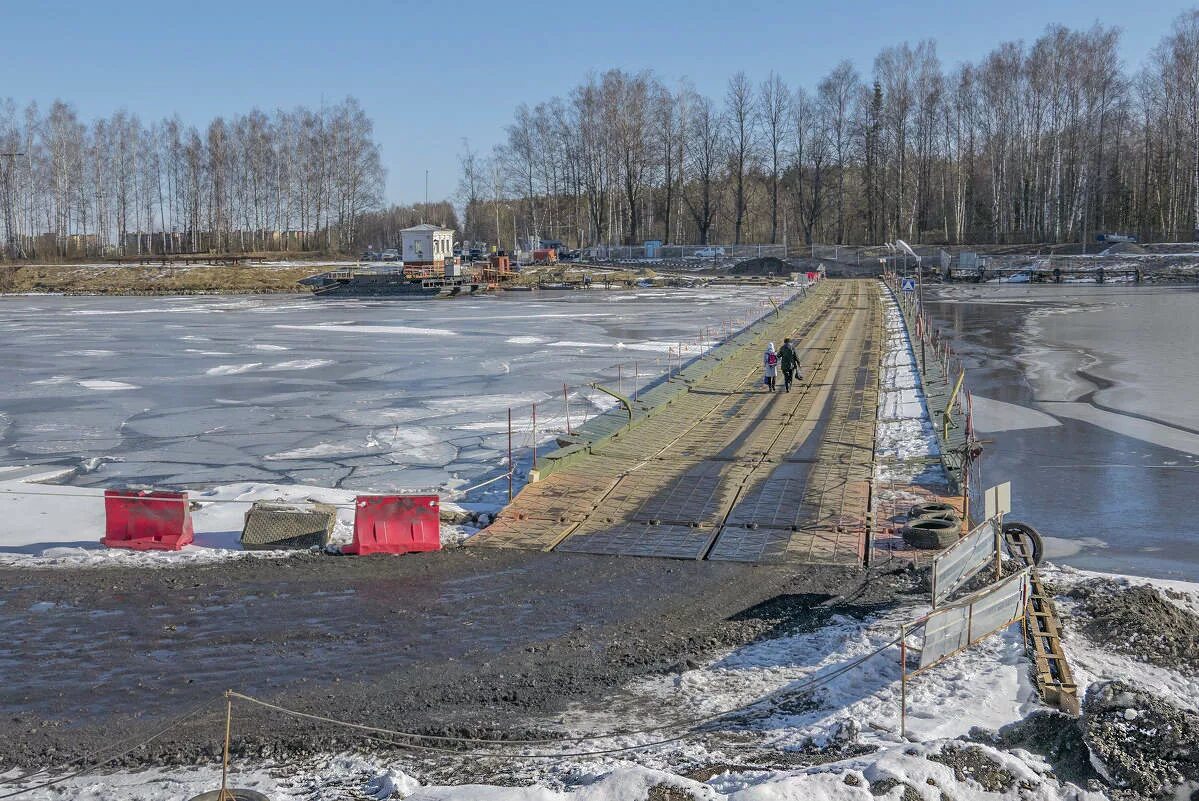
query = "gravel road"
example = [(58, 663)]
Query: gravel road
[(466, 641)]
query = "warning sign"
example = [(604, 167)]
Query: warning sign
[(909, 285)]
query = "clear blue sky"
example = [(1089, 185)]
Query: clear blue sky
[(477, 59)]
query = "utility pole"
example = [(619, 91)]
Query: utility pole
[(8, 221), (426, 206)]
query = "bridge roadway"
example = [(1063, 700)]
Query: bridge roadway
[(723, 469)]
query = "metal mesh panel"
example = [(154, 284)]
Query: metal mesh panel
[(273, 526)]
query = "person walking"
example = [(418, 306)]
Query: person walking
[(770, 360), (789, 361)]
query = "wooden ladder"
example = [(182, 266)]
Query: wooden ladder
[(1043, 634)]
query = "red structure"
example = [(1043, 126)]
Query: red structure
[(395, 524), (146, 520)]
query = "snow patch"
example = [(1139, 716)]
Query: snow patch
[(105, 386), (374, 329), (232, 369)]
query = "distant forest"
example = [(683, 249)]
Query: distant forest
[(1052, 141), (296, 180)]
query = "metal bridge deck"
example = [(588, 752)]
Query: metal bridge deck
[(724, 469)]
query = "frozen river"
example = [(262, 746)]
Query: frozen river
[(1088, 394), (357, 394)]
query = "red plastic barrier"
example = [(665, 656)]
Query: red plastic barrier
[(813, 276), (146, 520), (395, 524)]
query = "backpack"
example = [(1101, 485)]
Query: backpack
[(772, 359)]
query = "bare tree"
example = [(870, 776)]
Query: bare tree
[(774, 116), (705, 152), (740, 141), (470, 189), (837, 92)]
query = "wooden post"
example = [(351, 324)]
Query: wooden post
[(511, 468), (224, 794)]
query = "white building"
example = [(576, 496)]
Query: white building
[(427, 244)]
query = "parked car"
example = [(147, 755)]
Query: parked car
[(708, 253), (391, 254), (369, 255)]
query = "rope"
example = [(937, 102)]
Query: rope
[(686, 723), (92, 757), (501, 477), (6, 491)]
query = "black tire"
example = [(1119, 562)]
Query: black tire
[(949, 514), (1031, 534), (929, 510), (932, 534)]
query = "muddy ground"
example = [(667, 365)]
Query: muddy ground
[(466, 641)]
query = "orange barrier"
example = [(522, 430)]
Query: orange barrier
[(395, 524), (146, 520)]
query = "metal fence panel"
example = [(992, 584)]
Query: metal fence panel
[(949, 630), (954, 566), (999, 607), (945, 632)]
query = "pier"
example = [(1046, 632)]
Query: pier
[(709, 465)]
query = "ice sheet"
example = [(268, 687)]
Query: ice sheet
[(416, 387)]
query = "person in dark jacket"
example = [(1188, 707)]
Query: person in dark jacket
[(789, 360)]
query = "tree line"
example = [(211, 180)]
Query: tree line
[(303, 179), (1052, 141)]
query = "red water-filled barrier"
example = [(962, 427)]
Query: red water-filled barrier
[(813, 277), (395, 524), (147, 520)]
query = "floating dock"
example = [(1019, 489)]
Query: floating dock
[(711, 465)]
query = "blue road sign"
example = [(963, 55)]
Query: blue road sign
[(909, 285)]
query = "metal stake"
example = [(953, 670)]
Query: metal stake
[(903, 681), (511, 469), (566, 404), (534, 435)]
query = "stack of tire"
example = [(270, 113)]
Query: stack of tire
[(932, 526)]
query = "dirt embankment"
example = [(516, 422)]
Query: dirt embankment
[(152, 279), (1139, 622), (469, 641)]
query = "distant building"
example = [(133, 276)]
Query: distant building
[(427, 244)]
